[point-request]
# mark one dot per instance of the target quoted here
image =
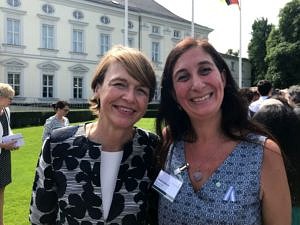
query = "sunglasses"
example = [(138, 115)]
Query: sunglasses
[(66, 110)]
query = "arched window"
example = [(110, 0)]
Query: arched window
[(78, 15), (105, 20), (14, 3), (48, 8)]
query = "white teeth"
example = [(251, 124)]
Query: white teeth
[(125, 109), (201, 98)]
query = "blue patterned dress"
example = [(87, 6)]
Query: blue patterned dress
[(214, 203)]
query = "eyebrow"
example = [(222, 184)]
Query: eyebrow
[(126, 81), (201, 63)]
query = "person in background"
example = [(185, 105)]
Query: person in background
[(280, 119), (100, 172), (58, 120), (264, 89), (234, 171), (294, 98), (6, 95)]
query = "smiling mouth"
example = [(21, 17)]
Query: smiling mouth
[(201, 99), (124, 109)]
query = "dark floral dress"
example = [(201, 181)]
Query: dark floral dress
[(66, 188)]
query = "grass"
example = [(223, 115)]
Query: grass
[(18, 193)]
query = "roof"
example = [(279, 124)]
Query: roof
[(144, 6)]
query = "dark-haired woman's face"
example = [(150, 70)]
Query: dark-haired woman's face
[(198, 84)]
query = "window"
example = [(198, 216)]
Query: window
[(77, 87), (78, 40), (78, 15), (155, 51), (13, 31), (47, 36), (48, 8), (131, 42), (155, 30), (232, 65), (104, 43), (130, 25), (105, 20), (14, 3), (13, 79), (176, 34), (48, 86)]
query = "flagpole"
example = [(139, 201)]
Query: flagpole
[(192, 25), (240, 55), (126, 24)]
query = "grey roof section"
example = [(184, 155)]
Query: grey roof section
[(145, 6)]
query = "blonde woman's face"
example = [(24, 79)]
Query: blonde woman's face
[(123, 100), (5, 101)]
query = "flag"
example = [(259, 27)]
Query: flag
[(229, 2)]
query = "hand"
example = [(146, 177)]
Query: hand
[(9, 145)]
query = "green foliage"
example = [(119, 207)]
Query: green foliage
[(257, 48), (275, 53), (24, 160), (283, 48)]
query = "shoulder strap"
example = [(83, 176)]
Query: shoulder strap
[(6, 114)]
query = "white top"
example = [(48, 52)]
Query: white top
[(254, 106), (110, 164)]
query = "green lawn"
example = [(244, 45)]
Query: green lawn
[(18, 193)]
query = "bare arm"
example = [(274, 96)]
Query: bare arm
[(276, 200)]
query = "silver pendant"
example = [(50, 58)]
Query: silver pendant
[(197, 176)]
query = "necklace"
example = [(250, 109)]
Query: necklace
[(197, 175)]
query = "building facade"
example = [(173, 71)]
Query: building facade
[(49, 49)]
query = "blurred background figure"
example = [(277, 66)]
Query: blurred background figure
[(294, 98), (282, 122), (58, 120), (6, 96), (264, 89)]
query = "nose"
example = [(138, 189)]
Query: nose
[(197, 82), (129, 95)]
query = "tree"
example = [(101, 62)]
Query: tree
[(257, 48), (283, 48)]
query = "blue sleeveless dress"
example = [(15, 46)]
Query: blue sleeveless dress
[(231, 196)]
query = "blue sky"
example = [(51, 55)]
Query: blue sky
[(224, 19)]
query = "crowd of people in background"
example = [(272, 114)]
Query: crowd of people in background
[(278, 110), (232, 152)]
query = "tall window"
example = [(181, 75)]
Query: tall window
[(48, 85), (131, 42), (13, 31), (104, 43), (78, 40), (48, 36), (13, 79), (77, 87), (155, 52)]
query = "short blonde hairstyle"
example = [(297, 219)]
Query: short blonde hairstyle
[(6, 91), (133, 61)]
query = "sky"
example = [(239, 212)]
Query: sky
[(224, 19)]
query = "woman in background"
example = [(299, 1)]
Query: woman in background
[(58, 120), (6, 96)]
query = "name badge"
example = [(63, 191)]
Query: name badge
[(167, 185)]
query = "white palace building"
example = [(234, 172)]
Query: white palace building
[(49, 49)]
